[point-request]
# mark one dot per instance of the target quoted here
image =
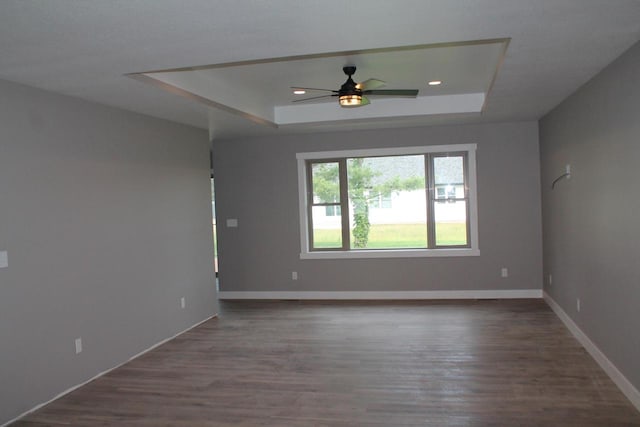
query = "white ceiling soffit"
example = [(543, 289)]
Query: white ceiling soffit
[(261, 91)]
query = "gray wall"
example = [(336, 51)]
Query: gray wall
[(591, 231), (256, 182), (106, 218)]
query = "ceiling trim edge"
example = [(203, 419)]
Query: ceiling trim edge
[(504, 40), (206, 101)]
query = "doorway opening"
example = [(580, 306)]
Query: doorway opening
[(213, 217)]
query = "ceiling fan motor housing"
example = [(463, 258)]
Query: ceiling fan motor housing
[(349, 87)]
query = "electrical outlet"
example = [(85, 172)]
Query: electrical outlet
[(183, 303), (4, 259), (78, 345), (567, 170), (504, 272), (550, 279), (294, 275), (578, 304)]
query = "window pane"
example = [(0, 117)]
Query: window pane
[(451, 223), (326, 182), (387, 202), (327, 229), (449, 173), (332, 210)]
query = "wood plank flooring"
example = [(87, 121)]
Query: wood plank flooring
[(339, 364)]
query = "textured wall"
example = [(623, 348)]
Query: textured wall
[(591, 233), (106, 218), (256, 182)]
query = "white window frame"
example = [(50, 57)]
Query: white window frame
[(472, 250)]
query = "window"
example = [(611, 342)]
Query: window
[(447, 192), (332, 211), (380, 201), (411, 201)]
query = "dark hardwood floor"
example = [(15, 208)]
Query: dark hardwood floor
[(443, 363)]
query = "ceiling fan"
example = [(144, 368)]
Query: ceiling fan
[(352, 94)]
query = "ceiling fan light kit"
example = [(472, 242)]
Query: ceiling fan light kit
[(348, 101)]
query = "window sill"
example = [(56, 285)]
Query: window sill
[(395, 253)]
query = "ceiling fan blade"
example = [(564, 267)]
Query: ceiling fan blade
[(365, 101), (314, 97), (313, 88), (370, 84), (409, 93)]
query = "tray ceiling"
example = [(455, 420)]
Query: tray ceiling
[(87, 49)]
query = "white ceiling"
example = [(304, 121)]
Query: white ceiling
[(86, 48)]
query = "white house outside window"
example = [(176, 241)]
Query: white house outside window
[(388, 202)]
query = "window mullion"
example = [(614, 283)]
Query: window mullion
[(344, 203), (465, 171), (310, 203), (430, 195)]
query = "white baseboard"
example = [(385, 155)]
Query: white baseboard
[(77, 386), (609, 368), (381, 295)]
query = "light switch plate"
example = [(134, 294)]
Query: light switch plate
[(4, 259), (232, 222)]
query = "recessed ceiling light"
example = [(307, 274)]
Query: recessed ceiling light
[(435, 82), (299, 92)]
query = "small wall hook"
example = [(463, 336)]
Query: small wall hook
[(566, 174)]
